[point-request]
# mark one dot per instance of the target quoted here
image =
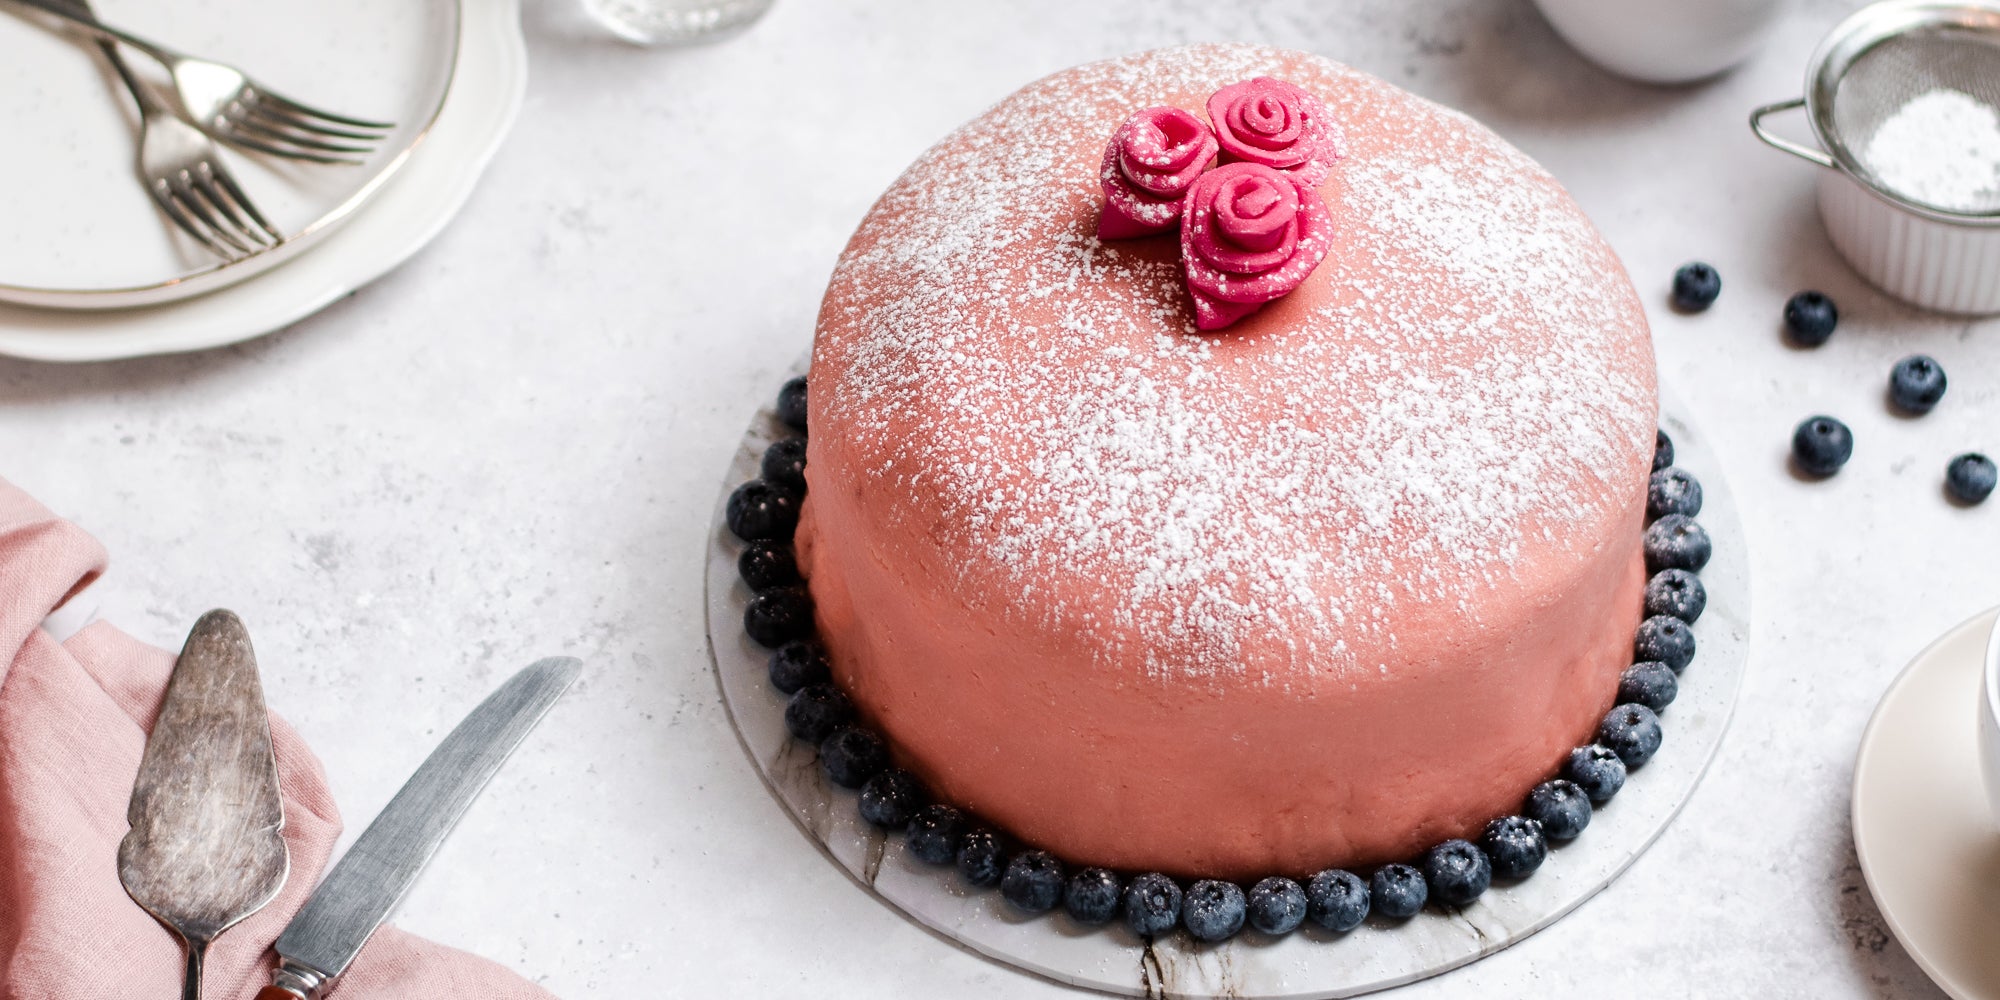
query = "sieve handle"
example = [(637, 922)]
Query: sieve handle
[(1779, 142)]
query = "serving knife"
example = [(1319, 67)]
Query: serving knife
[(358, 895), (206, 848)]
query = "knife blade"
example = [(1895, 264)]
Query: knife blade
[(358, 895), (206, 847)]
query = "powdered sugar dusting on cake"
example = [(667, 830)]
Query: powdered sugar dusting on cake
[(1383, 446)]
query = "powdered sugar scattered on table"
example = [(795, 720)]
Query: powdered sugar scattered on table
[(1475, 381), (1941, 148)]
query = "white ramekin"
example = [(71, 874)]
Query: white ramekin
[(1921, 254), (1949, 267)]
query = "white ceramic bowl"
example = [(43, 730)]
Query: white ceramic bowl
[(1989, 721), (1663, 41)]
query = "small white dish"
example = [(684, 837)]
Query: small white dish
[(1663, 41), (486, 88), (81, 231), (1928, 842), (1306, 963)]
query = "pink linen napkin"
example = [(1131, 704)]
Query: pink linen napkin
[(73, 722)]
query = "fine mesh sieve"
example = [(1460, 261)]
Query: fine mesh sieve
[(1923, 78), (1902, 98), (1884, 79)]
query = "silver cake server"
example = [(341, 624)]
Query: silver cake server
[(378, 870), (206, 847)]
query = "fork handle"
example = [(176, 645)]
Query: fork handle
[(88, 21), (191, 981)]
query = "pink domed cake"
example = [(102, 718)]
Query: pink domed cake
[(1326, 586)]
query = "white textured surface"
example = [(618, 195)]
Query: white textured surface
[(510, 447), (1306, 963)]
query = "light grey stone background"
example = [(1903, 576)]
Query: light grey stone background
[(511, 447)]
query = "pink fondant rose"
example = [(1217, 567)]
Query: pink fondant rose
[(1277, 124), (1153, 159), (1249, 234)]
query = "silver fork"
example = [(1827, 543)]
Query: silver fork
[(225, 103), (180, 169)]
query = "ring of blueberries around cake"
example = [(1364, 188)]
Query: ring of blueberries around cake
[(764, 512)]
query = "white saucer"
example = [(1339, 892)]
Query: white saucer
[(1306, 963), (486, 88), (1928, 843)]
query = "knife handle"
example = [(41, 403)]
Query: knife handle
[(278, 993)]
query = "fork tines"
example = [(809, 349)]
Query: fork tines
[(206, 203), (269, 123)]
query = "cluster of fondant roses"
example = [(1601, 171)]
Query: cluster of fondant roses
[(1251, 227)]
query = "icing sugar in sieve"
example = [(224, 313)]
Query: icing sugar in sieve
[(1922, 111), (1942, 148), (1904, 100)]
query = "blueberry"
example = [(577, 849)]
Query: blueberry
[(816, 711), (779, 615), (1810, 318), (792, 403), (1398, 891), (1666, 640), (1676, 592), (1651, 684), (1821, 446), (1663, 450), (980, 858), (934, 832), (1632, 732), (1337, 900), (1152, 904), (1033, 881), (851, 756), (1676, 542), (1673, 491), (1916, 383), (1514, 845), (1695, 287), (1276, 905), (891, 798), (1457, 872), (1970, 477), (1091, 897), (1596, 770), (759, 510), (1213, 910), (785, 464), (797, 664), (764, 565), (1561, 807)]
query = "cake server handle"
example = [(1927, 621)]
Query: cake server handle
[(1776, 141)]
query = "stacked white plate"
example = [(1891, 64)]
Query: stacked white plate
[(91, 270)]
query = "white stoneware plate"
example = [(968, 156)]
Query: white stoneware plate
[(1306, 963), (488, 79), (1928, 843), (83, 234)]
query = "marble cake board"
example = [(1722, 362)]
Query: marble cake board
[(1304, 964)]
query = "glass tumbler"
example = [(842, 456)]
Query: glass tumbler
[(676, 22)]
